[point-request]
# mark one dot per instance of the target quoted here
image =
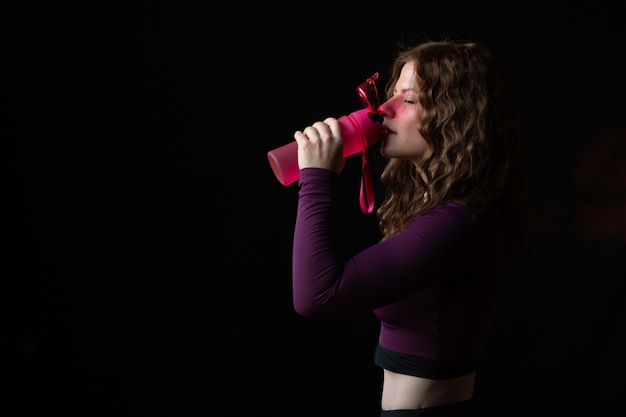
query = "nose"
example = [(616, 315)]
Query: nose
[(385, 109)]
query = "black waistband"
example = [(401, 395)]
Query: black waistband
[(421, 367)]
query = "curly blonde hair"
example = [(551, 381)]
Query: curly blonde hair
[(475, 148)]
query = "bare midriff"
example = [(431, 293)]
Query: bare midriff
[(406, 392)]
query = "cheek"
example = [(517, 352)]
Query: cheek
[(418, 145), (417, 140), (422, 146)]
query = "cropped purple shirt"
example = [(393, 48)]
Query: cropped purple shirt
[(433, 286)]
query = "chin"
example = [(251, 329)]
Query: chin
[(383, 150)]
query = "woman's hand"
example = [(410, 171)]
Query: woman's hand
[(321, 146)]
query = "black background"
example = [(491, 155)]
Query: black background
[(148, 243)]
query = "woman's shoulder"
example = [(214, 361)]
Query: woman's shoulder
[(452, 208), (447, 215)]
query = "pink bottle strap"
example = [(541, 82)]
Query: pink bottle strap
[(366, 194)]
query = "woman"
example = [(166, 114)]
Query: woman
[(453, 222)]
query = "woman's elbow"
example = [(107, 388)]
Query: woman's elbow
[(311, 309)]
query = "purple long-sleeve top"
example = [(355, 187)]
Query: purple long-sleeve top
[(433, 286)]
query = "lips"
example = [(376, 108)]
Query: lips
[(386, 131)]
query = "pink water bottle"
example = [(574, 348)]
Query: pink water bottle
[(359, 133)]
